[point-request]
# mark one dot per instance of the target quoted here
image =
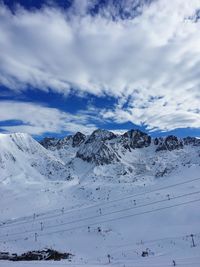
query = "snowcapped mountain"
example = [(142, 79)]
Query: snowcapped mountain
[(100, 155), (122, 195), (133, 154), (21, 155)]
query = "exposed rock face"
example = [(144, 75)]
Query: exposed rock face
[(191, 141), (48, 142), (99, 154), (135, 139), (157, 140), (56, 143), (78, 139), (100, 135), (97, 150), (170, 143)]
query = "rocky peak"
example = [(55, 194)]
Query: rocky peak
[(170, 143), (48, 142), (135, 139), (97, 149), (97, 152), (53, 143), (101, 135), (191, 141), (78, 139)]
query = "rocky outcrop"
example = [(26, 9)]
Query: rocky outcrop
[(100, 135), (97, 152), (48, 142), (78, 139), (135, 139), (170, 143), (52, 143), (191, 141), (59, 143)]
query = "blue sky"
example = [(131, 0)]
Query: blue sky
[(77, 66)]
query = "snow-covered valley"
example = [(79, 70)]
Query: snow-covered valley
[(123, 196)]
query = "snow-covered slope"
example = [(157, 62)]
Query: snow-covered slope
[(127, 194), (102, 156), (22, 156), (120, 219)]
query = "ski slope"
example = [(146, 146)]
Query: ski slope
[(133, 219), (99, 212)]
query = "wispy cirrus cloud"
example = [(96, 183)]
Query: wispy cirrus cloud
[(151, 63)]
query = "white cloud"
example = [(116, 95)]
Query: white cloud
[(37, 119), (155, 54)]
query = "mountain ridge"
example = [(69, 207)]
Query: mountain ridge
[(102, 154), (130, 152), (47, 142)]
